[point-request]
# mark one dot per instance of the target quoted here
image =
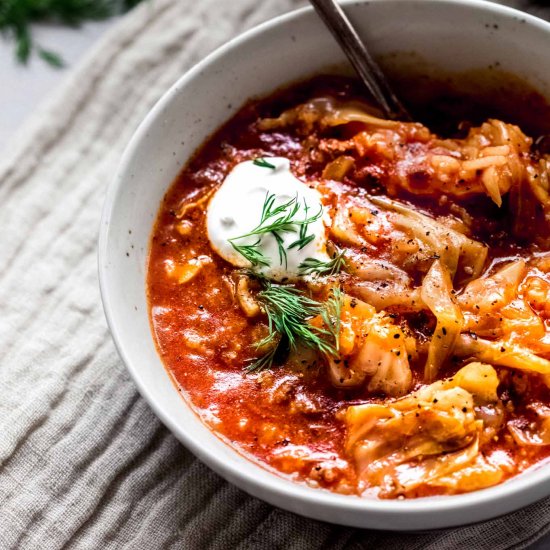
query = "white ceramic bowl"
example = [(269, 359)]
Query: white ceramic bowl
[(451, 34)]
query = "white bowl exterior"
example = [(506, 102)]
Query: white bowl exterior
[(462, 35)]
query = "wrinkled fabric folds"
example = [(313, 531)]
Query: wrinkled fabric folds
[(84, 463)]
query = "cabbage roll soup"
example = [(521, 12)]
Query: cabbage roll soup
[(358, 304)]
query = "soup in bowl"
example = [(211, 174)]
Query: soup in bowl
[(353, 309)]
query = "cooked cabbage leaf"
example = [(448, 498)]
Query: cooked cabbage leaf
[(433, 431), (371, 347), (436, 293), (327, 111), (462, 256), (502, 353), (489, 294)]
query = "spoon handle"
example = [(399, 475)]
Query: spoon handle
[(367, 69)]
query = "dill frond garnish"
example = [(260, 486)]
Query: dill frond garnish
[(252, 253), (276, 220), (264, 362), (263, 163), (289, 311), (312, 266), (304, 239), (17, 16)]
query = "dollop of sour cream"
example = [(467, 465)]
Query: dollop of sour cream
[(236, 210)]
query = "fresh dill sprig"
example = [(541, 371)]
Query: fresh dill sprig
[(312, 266), (17, 16), (277, 220), (289, 311), (263, 362), (252, 253), (263, 163), (304, 239)]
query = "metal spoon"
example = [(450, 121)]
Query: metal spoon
[(367, 69)]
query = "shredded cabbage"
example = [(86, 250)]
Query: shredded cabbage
[(489, 294), (436, 293), (502, 353), (371, 347), (462, 256), (434, 432), (327, 111)]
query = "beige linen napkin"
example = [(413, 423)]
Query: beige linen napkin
[(84, 463)]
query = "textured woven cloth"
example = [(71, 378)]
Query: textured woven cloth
[(84, 463)]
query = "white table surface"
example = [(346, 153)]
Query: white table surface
[(23, 87)]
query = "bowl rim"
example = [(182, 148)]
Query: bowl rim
[(275, 484)]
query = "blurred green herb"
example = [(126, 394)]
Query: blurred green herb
[(17, 16)]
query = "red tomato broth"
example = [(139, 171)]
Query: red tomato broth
[(288, 419)]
